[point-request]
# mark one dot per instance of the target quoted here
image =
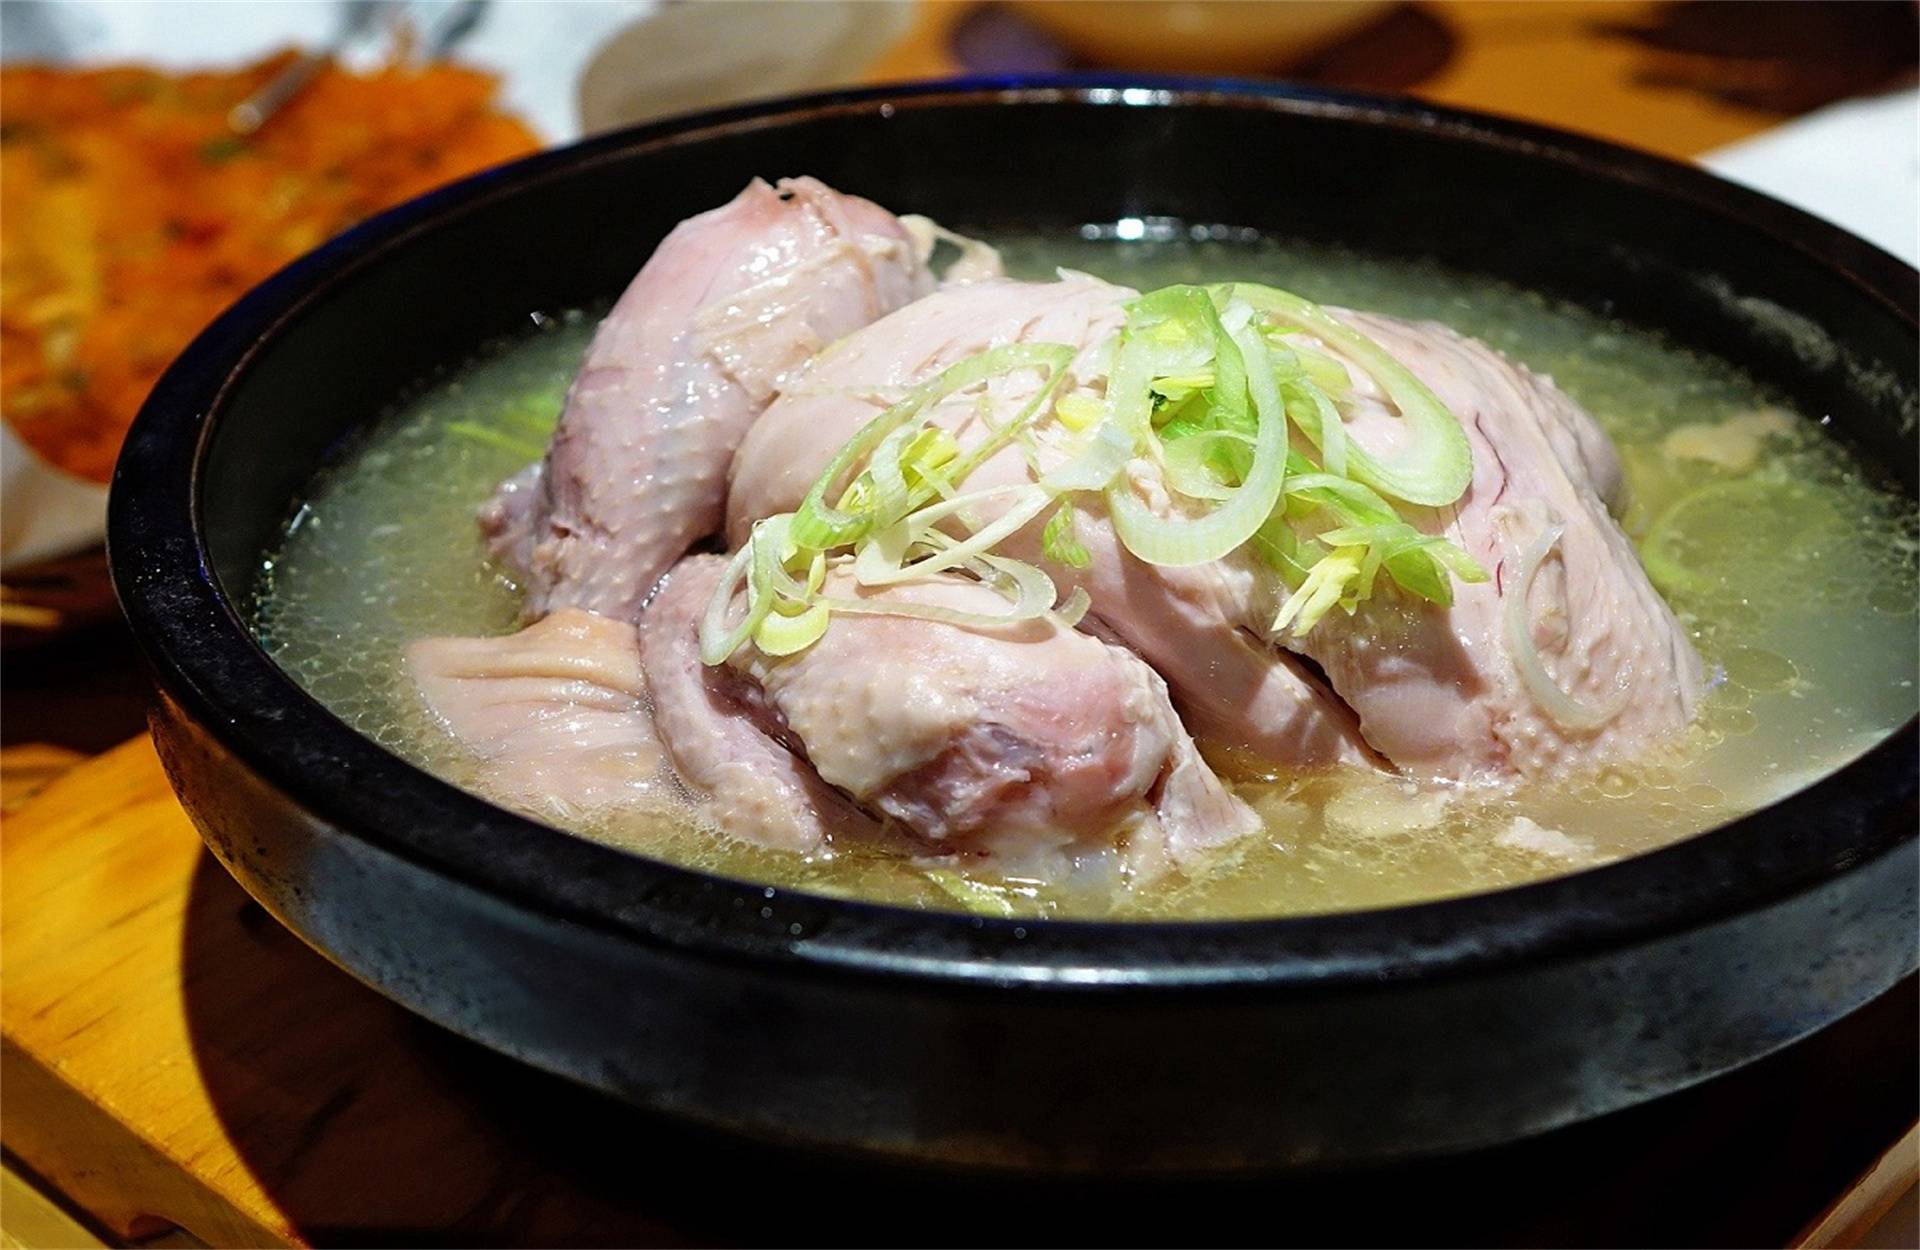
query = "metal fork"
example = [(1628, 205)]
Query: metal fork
[(442, 26)]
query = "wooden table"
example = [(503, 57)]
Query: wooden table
[(173, 1060), (172, 1057)]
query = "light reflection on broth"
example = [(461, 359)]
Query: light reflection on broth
[(1794, 577)]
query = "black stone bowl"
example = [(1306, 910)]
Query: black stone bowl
[(1031, 1044)]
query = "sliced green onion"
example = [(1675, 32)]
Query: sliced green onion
[(478, 433), (1325, 428), (1028, 582), (1322, 370), (1436, 466), (1024, 509), (1162, 338), (978, 897), (887, 493), (1200, 386), (1079, 411), (717, 640), (1326, 584), (780, 634), (1193, 463), (822, 527), (1561, 708), (1284, 550), (1074, 608), (1199, 540), (1054, 358), (1098, 463), (1060, 540), (1021, 611)]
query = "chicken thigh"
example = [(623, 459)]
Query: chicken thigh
[(725, 742), (555, 715), (1042, 747)]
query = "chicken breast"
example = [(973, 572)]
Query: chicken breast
[(1033, 743), (1233, 688), (556, 715), (731, 303)]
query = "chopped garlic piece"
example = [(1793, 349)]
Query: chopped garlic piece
[(1523, 834), (1733, 444)]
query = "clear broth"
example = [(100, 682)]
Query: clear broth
[(1794, 574)]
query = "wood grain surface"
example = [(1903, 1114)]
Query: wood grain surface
[(173, 1057)]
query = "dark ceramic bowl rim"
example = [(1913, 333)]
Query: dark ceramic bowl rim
[(203, 656)]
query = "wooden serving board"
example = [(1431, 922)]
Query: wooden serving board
[(174, 1058)]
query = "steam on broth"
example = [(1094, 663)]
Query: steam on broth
[(1793, 575)]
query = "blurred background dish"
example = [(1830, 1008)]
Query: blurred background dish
[(702, 55), (536, 50), (131, 213), (132, 209), (1199, 36)]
